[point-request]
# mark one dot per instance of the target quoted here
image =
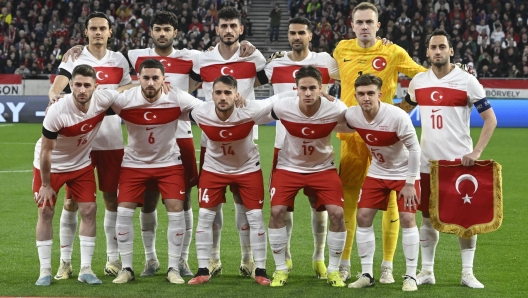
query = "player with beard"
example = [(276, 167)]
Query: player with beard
[(152, 157), (225, 59), (62, 156), (447, 137), (178, 65), (280, 70), (112, 71)]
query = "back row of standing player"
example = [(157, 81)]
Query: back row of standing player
[(223, 60)]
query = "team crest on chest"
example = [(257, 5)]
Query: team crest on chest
[(379, 63), (437, 96)]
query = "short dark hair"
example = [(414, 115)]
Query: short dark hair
[(308, 71), (162, 17), (440, 32), (365, 6), (152, 63), (84, 70), (368, 79), (229, 13), (301, 21), (228, 80), (97, 14)]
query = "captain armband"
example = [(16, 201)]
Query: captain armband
[(482, 105), (49, 134)]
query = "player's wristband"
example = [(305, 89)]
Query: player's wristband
[(410, 180)]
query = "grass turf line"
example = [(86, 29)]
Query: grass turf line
[(499, 263)]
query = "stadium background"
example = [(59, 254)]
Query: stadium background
[(500, 260)]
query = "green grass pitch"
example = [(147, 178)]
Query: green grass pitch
[(500, 263)]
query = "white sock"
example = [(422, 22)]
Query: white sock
[(386, 264), (44, 253), (319, 223), (217, 233), (258, 237), (87, 250), (188, 234), (345, 263), (125, 235), (68, 228), (336, 244), (366, 243), (175, 233), (411, 247), (109, 223), (204, 236), (149, 224), (288, 222), (428, 241), (278, 239), (467, 251), (243, 231)]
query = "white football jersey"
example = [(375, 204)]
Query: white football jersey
[(112, 71), (178, 66), (76, 130), (230, 149), (307, 147), (211, 65), (388, 136), (151, 127), (445, 108), (281, 74)]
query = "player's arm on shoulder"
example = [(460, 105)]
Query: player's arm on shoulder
[(246, 49), (60, 82), (343, 125), (73, 52), (187, 101)]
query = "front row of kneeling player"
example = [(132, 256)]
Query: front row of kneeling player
[(305, 161)]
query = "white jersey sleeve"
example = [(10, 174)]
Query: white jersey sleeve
[(123, 63), (475, 90)]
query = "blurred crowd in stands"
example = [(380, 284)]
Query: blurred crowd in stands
[(491, 35), (35, 34)]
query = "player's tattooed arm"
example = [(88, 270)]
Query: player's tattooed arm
[(274, 56), (73, 52), (406, 104)]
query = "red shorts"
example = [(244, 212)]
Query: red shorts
[(425, 183), (188, 158), (81, 183), (375, 193), (325, 184), (108, 164), (212, 189), (134, 181), (307, 191)]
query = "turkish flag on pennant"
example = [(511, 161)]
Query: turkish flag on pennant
[(466, 200)]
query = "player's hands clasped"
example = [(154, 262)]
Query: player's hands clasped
[(45, 195), (409, 196)]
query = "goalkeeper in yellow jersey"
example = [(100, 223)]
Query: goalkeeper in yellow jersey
[(363, 55)]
